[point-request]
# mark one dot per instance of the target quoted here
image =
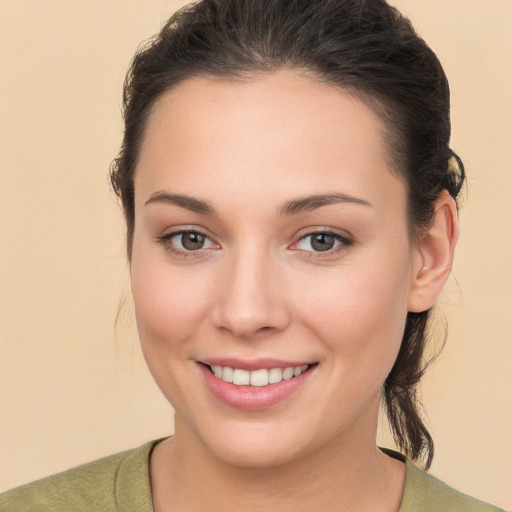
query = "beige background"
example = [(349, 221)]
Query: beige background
[(72, 388)]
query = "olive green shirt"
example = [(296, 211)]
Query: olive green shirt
[(121, 483)]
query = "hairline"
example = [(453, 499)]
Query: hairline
[(383, 108)]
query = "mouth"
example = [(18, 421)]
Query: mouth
[(257, 378), (255, 385)]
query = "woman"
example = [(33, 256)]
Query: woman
[(290, 198)]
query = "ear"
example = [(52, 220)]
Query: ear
[(433, 260)]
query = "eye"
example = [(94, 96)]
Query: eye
[(183, 242), (189, 241), (323, 241)]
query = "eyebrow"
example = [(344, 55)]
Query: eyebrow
[(306, 204), (293, 207), (188, 202)]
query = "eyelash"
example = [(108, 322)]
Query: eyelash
[(344, 242), (165, 240)]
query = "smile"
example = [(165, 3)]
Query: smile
[(255, 385), (256, 378)]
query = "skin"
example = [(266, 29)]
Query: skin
[(258, 289)]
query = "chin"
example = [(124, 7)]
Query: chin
[(256, 455), (255, 445)]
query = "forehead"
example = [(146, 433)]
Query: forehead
[(280, 133)]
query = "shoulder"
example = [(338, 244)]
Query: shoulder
[(424, 492), (103, 485)]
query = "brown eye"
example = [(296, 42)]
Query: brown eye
[(192, 241), (322, 241), (184, 243)]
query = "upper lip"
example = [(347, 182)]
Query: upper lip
[(253, 364)]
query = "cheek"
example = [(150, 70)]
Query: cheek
[(359, 314), (169, 303), (169, 306)]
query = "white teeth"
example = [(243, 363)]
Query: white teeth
[(241, 377), (257, 378), (287, 373), (275, 375), (227, 374)]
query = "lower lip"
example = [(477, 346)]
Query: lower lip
[(252, 398)]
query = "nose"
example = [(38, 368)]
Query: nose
[(252, 300)]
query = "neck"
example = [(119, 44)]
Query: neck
[(349, 474)]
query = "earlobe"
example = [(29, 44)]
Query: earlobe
[(434, 257)]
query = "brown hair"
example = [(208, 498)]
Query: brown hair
[(364, 46)]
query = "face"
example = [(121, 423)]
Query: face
[(270, 234)]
